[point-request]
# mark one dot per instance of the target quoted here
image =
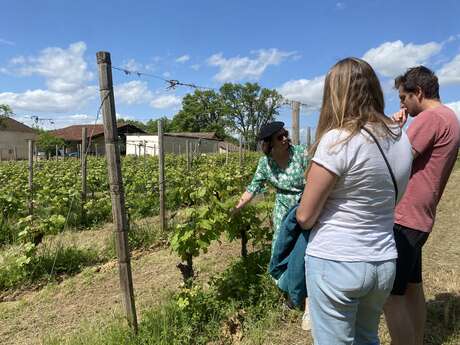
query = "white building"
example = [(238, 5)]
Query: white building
[(140, 144), (13, 139)]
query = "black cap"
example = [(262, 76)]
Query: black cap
[(267, 130)]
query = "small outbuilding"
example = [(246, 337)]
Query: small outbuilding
[(72, 136), (202, 142), (13, 139)]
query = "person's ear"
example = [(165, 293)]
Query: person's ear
[(419, 94)]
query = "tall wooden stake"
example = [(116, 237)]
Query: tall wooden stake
[(112, 152), (295, 122), (187, 153), (83, 173), (31, 177), (161, 164), (241, 151)]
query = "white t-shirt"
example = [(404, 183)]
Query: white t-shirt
[(356, 223)]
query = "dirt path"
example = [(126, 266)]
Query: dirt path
[(94, 294)]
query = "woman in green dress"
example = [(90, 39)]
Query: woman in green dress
[(283, 166)]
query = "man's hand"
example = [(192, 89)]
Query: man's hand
[(400, 117)]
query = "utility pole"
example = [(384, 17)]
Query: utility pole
[(116, 185), (83, 173), (161, 161), (295, 122)]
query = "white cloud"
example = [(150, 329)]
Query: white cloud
[(238, 68), (393, 58), (183, 59), (8, 43), (340, 6), (18, 60), (308, 91), (66, 75), (455, 106), (165, 101), (195, 67), (65, 70), (166, 74), (135, 66), (137, 92), (133, 92), (47, 100), (450, 72), (79, 116)]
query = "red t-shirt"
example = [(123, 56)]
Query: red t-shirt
[(435, 135)]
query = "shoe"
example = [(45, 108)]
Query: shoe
[(306, 326)]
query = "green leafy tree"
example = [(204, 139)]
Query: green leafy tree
[(5, 111), (138, 124), (47, 142), (152, 125), (248, 107), (202, 111)]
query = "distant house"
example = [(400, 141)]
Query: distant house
[(203, 142), (13, 139), (72, 135)]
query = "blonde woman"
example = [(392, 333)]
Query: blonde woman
[(360, 168)]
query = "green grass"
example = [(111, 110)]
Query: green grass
[(234, 302), (18, 269)]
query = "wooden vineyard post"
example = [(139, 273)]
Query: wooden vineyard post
[(187, 153), (226, 153), (83, 173), (161, 165), (96, 151), (57, 152), (295, 122), (31, 177), (117, 195), (241, 152), (15, 153)]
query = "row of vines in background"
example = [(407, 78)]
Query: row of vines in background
[(57, 190), (204, 196)]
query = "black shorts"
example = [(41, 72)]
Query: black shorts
[(409, 243)]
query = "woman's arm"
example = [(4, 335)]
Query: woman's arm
[(245, 198), (320, 182)]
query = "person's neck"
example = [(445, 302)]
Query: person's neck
[(430, 104), (280, 154)]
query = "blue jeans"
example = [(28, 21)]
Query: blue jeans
[(346, 299)]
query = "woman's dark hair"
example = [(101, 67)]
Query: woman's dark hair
[(267, 146), (419, 77)]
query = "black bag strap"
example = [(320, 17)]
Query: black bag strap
[(386, 162)]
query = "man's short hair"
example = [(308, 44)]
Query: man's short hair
[(421, 77)]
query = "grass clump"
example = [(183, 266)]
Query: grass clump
[(24, 265), (219, 313)]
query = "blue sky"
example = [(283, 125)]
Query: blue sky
[(48, 47)]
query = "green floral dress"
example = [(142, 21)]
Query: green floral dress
[(289, 182)]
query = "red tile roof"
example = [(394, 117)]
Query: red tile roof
[(73, 133)]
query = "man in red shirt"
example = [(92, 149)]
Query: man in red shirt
[(435, 136)]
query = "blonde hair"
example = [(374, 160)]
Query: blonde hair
[(352, 98)]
